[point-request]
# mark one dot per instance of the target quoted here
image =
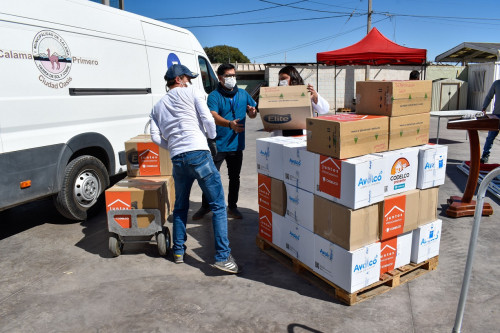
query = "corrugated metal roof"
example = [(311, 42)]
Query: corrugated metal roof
[(244, 67), (472, 52)]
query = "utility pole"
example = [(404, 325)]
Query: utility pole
[(368, 28), (285, 57)]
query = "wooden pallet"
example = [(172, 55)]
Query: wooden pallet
[(387, 282)]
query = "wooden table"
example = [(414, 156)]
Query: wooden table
[(452, 113)]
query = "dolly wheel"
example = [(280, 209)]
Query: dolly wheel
[(115, 245), (163, 241)]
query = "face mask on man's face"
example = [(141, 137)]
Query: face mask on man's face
[(229, 82), (283, 83)]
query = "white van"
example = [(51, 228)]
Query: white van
[(78, 79)]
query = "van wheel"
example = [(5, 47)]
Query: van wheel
[(85, 178)]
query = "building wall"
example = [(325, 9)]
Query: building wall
[(345, 77)]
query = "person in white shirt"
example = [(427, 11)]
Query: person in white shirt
[(181, 122), (289, 76)]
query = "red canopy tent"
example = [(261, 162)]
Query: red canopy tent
[(374, 49)]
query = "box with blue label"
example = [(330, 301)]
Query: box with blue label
[(297, 241), (350, 270), (426, 239), (400, 170), (269, 155), (300, 206), (431, 165), (298, 166)]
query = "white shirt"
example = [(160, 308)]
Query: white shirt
[(322, 107), (181, 121)]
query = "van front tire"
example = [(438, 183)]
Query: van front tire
[(85, 178)]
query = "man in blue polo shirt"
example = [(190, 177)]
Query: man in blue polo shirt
[(229, 107)]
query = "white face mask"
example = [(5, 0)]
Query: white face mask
[(283, 83), (229, 82)]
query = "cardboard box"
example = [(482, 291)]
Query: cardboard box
[(395, 252), (146, 158), (300, 206), (349, 135), (269, 155), (355, 182), (297, 241), (426, 239), (139, 193), (271, 194), (399, 214), (409, 131), (278, 197), (351, 229), (393, 98), (298, 166), (431, 165), (350, 270), (400, 170), (428, 205), (284, 107)]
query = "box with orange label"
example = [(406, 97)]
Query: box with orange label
[(395, 252), (409, 131), (400, 170), (399, 214), (146, 158), (138, 193), (356, 182), (348, 228), (393, 98), (350, 135), (271, 194), (270, 226)]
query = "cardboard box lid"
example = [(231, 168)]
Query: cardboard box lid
[(399, 89), (286, 96)]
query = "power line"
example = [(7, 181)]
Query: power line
[(302, 8), (267, 22), (227, 14)]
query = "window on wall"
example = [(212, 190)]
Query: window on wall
[(208, 77)]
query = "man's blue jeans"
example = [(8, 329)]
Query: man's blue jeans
[(489, 143), (199, 165)]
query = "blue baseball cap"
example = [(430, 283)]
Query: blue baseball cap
[(178, 70)]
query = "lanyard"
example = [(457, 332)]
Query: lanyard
[(234, 105)]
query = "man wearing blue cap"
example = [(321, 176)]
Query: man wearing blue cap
[(181, 122)]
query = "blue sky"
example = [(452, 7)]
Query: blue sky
[(435, 25)]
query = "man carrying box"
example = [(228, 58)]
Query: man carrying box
[(179, 123), (229, 106)]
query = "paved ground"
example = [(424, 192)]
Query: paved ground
[(58, 276)]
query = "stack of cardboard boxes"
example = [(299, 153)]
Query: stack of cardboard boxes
[(358, 196), (149, 183)]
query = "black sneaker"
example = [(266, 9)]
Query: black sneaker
[(200, 213), (234, 213), (484, 159), (229, 265), (178, 258)]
